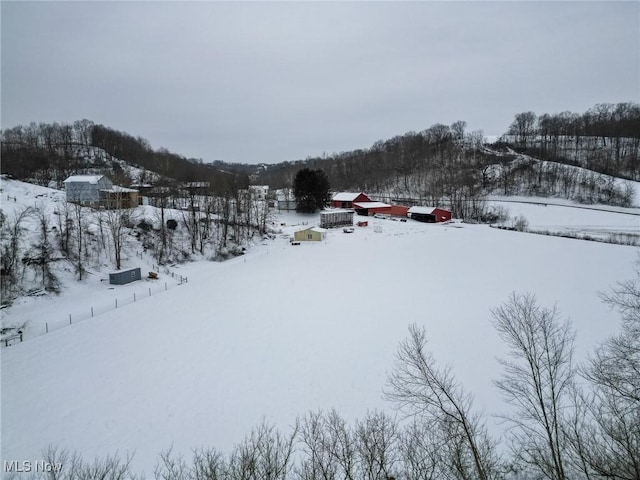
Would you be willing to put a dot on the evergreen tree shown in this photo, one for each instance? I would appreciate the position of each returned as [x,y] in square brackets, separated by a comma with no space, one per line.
[311,189]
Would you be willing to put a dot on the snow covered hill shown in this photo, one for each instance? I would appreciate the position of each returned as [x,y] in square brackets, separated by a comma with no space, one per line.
[287,329]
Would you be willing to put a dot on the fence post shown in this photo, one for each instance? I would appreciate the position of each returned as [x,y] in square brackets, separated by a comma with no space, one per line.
[116,303]
[149,291]
[91,312]
[165,286]
[69,319]
[46,326]
[134,297]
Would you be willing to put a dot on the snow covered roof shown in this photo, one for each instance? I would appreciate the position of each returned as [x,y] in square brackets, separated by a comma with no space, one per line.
[119,189]
[346,196]
[423,210]
[92,179]
[371,205]
[314,229]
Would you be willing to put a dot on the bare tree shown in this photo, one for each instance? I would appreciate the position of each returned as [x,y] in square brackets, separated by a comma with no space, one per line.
[420,387]
[80,228]
[171,466]
[44,250]
[421,450]
[376,443]
[70,466]
[523,128]
[11,238]
[317,460]
[117,217]
[208,464]
[537,379]
[191,217]
[264,455]
[341,445]
[608,443]
[65,225]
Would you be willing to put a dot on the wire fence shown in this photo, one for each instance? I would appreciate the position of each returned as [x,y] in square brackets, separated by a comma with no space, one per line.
[101,307]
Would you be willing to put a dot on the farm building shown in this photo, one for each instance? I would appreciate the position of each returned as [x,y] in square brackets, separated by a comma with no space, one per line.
[347,199]
[399,211]
[313,234]
[429,214]
[285,199]
[95,190]
[336,218]
[125,276]
[371,208]
[119,197]
[287,204]
[85,189]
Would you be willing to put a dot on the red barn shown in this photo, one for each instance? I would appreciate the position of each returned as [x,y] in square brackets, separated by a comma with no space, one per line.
[346,199]
[371,208]
[429,214]
[398,211]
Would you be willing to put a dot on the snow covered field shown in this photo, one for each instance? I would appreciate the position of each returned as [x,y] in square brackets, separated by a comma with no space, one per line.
[287,329]
[558,216]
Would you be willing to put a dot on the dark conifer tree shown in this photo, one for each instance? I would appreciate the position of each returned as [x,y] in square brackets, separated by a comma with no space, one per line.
[311,189]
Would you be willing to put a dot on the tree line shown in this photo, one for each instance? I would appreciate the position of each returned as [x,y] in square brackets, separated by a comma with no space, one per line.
[566,420]
[447,166]
[49,152]
[605,138]
[440,166]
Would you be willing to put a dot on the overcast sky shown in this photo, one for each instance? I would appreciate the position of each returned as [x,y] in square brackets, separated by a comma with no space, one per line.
[268,82]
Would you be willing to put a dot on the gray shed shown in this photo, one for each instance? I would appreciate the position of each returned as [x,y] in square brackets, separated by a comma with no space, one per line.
[125,276]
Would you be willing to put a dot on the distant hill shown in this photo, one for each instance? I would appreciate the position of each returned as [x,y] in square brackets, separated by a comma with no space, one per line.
[46,154]
[443,165]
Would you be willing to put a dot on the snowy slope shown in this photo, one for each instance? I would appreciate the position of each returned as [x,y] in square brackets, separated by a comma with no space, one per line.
[565,217]
[287,329]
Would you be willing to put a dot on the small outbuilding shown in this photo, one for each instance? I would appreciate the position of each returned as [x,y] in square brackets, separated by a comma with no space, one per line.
[347,199]
[429,214]
[287,204]
[313,234]
[125,276]
[336,218]
[118,197]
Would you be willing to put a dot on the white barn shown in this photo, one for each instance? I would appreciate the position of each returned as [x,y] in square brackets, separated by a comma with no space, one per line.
[85,189]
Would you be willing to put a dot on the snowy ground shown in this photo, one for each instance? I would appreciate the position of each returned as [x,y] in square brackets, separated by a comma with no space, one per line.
[565,217]
[287,329]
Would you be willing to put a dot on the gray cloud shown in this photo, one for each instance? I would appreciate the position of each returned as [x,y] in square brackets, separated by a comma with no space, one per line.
[255,82]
